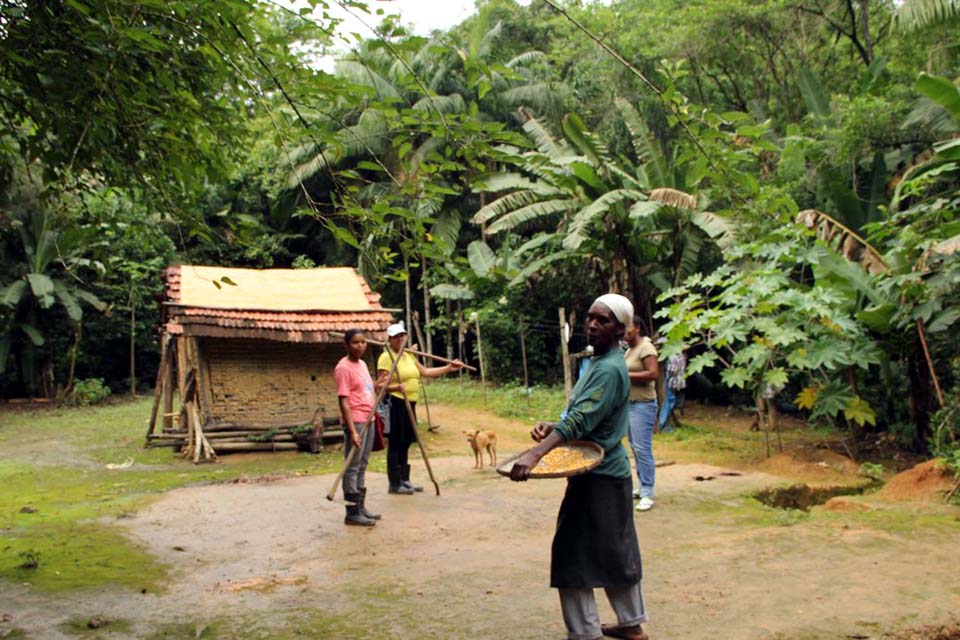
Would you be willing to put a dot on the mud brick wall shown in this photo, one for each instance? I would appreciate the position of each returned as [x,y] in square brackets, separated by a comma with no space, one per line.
[273,383]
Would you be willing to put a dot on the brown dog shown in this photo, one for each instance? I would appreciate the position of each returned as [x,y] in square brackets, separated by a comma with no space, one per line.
[480,440]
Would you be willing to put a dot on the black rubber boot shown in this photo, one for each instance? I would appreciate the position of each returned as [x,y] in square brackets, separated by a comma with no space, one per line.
[363,506]
[405,481]
[354,517]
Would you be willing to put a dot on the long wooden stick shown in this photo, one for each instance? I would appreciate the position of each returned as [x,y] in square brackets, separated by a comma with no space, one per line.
[413,351]
[423,387]
[363,432]
[413,423]
[416,436]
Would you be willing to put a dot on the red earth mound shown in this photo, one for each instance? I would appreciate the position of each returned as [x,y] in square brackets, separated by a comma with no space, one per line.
[925,482]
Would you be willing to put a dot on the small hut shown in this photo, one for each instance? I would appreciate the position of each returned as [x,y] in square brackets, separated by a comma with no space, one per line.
[250,354]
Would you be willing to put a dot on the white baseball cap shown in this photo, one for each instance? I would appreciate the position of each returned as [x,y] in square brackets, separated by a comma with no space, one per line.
[395,329]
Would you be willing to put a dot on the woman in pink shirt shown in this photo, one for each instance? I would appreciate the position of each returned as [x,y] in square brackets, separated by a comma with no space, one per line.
[355,395]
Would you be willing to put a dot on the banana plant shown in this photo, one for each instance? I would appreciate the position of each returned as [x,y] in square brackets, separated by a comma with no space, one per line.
[579,202]
[44,282]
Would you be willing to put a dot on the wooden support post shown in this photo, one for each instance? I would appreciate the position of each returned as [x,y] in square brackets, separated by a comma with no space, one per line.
[158,390]
[423,381]
[166,393]
[205,385]
[483,375]
[565,352]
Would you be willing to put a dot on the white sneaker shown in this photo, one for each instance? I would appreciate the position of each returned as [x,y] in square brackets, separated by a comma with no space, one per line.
[645,504]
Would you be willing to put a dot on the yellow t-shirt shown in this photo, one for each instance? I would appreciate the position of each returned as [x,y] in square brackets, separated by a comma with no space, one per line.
[646,390]
[407,372]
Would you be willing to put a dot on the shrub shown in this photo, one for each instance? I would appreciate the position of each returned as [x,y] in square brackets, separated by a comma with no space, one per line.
[89,391]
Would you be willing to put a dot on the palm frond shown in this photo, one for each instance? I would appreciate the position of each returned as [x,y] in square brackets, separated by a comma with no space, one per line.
[541,136]
[444,104]
[531,212]
[585,142]
[447,229]
[674,198]
[525,58]
[505,204]
[843,240]
[693,241]
[576,232]
[649,155]
[539,96]
[12,294]
[364,74]
[716,227]
[914,15]
[495,182]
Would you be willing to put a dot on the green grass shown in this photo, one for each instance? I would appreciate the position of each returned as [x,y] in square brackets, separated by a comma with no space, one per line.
[506,401]
[59,503]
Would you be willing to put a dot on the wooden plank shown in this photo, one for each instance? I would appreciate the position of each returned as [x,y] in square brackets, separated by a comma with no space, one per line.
[206,389]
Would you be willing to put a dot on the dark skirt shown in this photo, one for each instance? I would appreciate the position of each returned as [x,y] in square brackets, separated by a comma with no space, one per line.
[401,431]
[596,542]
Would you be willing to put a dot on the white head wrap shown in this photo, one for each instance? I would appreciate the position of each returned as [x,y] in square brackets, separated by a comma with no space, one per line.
[395,329]
[621,307]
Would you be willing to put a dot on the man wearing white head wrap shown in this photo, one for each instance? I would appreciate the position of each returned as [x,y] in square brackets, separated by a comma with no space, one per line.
[621,307]
[595,545]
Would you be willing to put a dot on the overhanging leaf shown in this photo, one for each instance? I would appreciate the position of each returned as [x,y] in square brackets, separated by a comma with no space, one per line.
[42,287]
[481,257]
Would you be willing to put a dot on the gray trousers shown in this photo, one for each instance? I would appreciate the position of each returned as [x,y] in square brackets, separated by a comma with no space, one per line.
[580,610]
[353,478]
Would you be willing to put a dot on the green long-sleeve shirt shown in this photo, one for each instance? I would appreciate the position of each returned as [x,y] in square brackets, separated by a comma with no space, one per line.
[597,411]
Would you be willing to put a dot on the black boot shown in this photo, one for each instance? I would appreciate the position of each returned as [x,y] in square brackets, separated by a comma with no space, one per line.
[363,506]
[405,480]
[354,517]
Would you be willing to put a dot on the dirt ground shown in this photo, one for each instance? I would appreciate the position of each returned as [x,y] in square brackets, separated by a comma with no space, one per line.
[272,559]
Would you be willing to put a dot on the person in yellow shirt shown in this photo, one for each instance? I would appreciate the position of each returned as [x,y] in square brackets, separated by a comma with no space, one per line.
[643,369]
[407,379]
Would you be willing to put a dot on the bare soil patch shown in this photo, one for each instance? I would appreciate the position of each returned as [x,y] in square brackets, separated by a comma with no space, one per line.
[272,559]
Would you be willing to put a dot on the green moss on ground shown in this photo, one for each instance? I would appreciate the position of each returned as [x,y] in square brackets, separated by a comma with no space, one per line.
[57,498]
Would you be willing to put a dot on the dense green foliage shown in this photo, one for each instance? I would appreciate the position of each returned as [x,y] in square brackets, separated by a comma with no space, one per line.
[775,185]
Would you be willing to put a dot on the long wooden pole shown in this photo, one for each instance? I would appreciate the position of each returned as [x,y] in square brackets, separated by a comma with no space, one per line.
[423,387]
[565,351]
[413,422]
[423,354]
[161,379]
[363,431]
[416,436]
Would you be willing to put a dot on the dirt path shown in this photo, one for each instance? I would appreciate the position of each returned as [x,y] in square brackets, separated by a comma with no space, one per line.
[273,560]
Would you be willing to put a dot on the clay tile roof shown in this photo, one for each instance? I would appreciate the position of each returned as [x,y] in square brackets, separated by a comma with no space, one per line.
[288,305]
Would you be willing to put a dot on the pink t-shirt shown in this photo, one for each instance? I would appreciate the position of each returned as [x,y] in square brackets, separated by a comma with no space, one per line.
[354,382]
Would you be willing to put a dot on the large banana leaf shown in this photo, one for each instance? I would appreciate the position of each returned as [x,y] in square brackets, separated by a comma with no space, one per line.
[919,14]
[12,294]
[649,155]
[448,291]
[543,139]
[576,233]
[69,302]
[942,91]
[532,212]
[42,287]
[813,95]
[481,257]
[504,205]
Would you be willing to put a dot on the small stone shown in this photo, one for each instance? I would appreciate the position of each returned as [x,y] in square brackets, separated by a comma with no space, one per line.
[28,509]
[97,621]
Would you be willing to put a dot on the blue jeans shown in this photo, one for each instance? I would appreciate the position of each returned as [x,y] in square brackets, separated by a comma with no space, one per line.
[643,416]
[669,402]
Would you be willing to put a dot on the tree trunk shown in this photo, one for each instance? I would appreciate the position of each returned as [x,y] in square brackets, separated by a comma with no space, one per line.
[133,344]
[919,397]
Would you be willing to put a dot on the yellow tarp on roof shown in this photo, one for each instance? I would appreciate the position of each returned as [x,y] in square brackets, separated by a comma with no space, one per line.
[327,289]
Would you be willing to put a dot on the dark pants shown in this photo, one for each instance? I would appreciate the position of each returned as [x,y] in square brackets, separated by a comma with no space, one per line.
[399,439]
